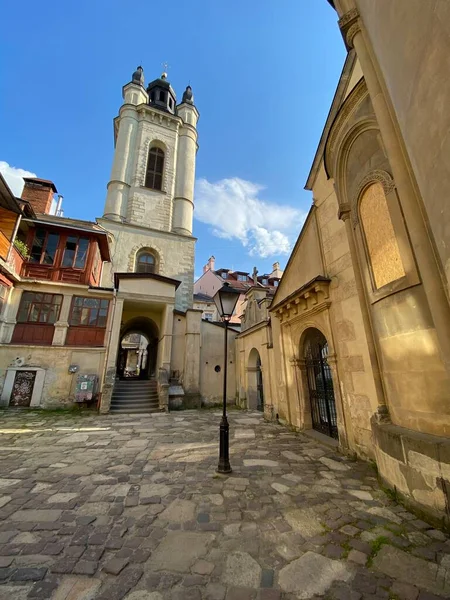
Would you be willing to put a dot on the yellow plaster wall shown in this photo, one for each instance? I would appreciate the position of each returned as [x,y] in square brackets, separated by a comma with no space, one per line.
[131,312]
[178,343]
[148,287]
[211,354]
[59,384]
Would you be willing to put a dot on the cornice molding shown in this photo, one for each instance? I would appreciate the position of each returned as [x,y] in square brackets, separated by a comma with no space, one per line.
[305,301]
[349,26]
[353,100]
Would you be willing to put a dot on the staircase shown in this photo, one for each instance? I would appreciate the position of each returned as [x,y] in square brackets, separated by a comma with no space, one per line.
[135,396]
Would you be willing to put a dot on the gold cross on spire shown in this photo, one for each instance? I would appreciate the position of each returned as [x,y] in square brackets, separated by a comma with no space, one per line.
[165,67]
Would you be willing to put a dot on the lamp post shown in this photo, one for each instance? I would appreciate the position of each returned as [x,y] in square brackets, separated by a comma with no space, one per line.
[225,300]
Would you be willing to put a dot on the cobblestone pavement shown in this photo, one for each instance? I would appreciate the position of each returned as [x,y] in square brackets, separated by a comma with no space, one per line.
[130,507]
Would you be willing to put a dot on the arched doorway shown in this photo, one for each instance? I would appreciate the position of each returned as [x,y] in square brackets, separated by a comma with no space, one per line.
[320,383]
[255,391]
[138,349]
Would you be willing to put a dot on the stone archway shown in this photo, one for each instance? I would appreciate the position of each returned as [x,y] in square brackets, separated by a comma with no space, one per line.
[255,389]
[319,382]
[138,349]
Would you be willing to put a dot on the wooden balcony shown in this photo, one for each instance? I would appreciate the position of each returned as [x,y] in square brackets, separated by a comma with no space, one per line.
[16,261]
[32,270]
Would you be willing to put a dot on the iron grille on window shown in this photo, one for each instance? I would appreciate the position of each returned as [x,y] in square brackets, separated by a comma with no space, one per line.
[89,312]
[155,167]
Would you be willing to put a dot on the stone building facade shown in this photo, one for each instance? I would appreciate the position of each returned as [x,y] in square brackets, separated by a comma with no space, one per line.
[149,216]
[139,270]
[360,324]
[212,280]
[54,315]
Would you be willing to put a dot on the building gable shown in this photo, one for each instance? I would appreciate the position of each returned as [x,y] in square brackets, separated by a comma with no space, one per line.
[305,262]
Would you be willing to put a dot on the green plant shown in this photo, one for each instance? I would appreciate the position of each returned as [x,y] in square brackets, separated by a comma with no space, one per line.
[347,549]
[22,248]
[391,494]
[376,546]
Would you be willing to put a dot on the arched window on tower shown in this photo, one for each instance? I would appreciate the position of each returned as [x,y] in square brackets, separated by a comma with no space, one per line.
[155,168]
[145,262]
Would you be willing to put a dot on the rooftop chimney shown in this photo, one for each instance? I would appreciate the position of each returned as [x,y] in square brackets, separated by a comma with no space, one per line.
[39,193]
[58,210]
[276,266]
[210,264]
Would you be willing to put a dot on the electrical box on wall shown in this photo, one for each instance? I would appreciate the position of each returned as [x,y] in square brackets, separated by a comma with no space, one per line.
[86,387]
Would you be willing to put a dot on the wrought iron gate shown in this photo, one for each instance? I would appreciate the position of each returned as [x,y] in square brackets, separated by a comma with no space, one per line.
[259,386]
[320,385]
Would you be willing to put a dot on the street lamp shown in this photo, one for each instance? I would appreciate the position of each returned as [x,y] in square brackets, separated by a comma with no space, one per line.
[225,300]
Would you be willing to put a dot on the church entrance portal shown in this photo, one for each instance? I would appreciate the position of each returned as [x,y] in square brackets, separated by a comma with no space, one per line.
[138,349]
[320,383]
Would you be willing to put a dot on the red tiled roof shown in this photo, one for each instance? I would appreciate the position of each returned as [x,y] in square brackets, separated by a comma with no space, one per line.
[245,285]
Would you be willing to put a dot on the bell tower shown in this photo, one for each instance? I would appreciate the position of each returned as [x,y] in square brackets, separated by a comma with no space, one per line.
[150,194]
[149,121]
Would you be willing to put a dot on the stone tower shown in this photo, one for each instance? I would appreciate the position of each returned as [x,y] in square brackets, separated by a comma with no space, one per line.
[150,199]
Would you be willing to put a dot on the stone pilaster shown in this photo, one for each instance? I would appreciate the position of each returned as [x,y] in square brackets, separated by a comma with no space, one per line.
[8,321]
[112,341]
[62,324]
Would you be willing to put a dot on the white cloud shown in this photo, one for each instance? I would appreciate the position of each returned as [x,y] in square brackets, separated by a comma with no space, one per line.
[234,210]
[13,176]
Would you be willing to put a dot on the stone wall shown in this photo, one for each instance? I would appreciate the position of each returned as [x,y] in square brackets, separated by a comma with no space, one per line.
[259,339]
[417,466]
[175,255]
[411,46]
[353,362]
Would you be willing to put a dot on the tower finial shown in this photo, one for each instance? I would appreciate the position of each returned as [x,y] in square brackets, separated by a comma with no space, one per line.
[165,67]
[188,97]
[138,76]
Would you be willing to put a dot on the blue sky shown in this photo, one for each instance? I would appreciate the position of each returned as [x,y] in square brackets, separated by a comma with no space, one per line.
[263,75]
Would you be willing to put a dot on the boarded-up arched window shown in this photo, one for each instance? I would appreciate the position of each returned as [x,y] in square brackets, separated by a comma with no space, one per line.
[155,168]
[381,242]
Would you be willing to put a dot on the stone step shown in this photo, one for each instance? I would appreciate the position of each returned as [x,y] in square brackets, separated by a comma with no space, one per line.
[137,401]
[134,400]
[141,407]
[136,390]
[134,394]
[135,410]
[132,386]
